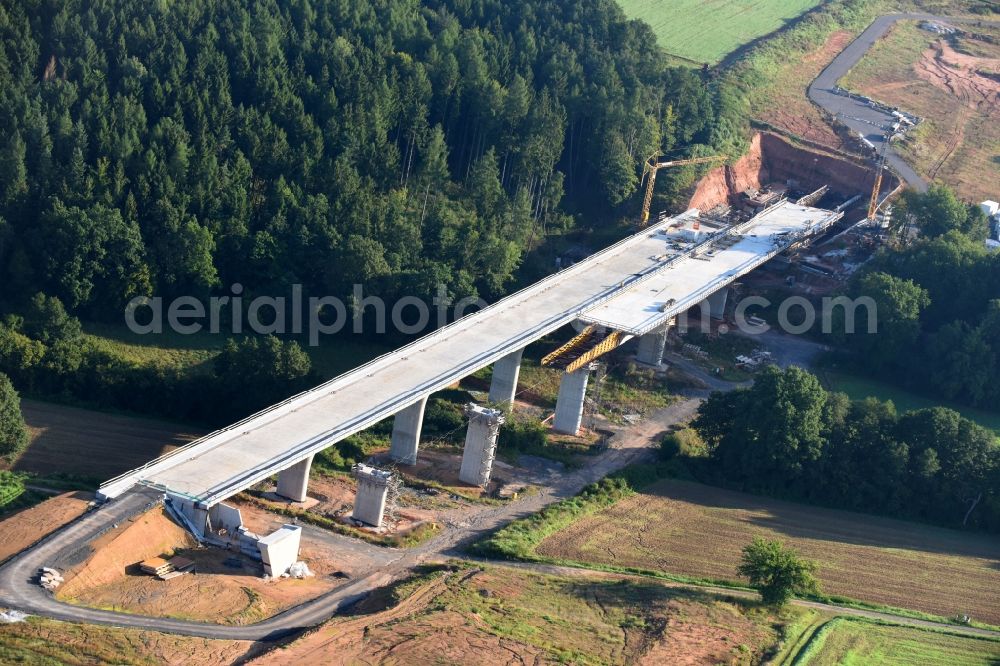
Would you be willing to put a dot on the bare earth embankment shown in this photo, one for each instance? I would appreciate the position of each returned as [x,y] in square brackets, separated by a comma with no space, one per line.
[696,530]
[24,528]
[485,616]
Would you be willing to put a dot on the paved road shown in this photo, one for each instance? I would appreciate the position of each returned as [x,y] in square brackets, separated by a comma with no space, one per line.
[68,546]
[857,114]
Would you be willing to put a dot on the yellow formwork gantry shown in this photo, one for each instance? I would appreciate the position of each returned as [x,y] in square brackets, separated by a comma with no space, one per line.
[582,349]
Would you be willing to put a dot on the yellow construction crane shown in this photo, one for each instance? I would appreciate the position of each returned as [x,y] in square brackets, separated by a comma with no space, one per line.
[883,153]
[879,169]
[651,166]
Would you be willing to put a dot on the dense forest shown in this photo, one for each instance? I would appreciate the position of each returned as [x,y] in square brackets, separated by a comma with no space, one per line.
[176,148]
[938,301]
[788,437]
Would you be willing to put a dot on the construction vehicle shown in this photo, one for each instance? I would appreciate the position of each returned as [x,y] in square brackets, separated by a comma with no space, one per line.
[651,166]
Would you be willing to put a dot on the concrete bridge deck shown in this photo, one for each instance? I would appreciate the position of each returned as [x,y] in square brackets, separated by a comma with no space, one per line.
[638,284]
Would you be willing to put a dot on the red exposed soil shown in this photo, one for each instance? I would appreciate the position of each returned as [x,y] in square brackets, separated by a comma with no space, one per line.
[24,528]
[149,535]
[226,588]
[961,76]
[773,159]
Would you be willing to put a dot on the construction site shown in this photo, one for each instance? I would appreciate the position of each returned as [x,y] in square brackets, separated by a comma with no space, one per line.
[237,527]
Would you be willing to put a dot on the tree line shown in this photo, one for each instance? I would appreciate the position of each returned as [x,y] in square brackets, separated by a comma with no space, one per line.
[938,304]
[45,353]
[786,436]
[179,147]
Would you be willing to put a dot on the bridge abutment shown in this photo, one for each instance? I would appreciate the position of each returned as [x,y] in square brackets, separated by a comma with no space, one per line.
[503,386]
[294,481]
[480,444]
[406,428]
[193,514]
[569,404]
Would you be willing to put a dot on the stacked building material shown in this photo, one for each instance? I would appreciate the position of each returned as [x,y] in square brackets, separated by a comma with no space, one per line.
[49,578]
[167,569]
[156,566]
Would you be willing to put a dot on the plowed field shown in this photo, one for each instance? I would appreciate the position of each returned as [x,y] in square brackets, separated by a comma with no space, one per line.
[695,530]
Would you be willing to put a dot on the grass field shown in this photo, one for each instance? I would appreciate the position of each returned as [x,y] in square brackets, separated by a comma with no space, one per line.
[950,86]
[195,352]
[494,615]
[853,641]
[697,531]
[859,388]
[42,642]
[706,31]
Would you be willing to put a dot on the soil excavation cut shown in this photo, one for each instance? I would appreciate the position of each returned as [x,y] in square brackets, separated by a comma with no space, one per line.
[773,159]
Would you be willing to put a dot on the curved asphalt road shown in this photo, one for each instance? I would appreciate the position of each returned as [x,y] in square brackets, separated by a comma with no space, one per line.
[69,545]
[19,590]
[856,114]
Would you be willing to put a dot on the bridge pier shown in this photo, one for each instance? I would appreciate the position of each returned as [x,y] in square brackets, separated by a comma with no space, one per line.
[651,346]
[717,303]
[480,444]
[406,428]
[294,481]
[369,500]
[503,386]
[569,404]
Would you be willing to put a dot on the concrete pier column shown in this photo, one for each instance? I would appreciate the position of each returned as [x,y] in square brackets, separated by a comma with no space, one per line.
[373,488]
[406,433]
[503,386]
[293,482]
[717,303]
[480,444]
[651,346]
[569,404]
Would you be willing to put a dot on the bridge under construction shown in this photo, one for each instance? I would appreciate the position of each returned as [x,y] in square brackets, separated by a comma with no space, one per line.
[634,288]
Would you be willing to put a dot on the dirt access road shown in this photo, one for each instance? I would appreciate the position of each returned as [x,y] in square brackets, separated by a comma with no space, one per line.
[856,114]
[69,545]
[629,446]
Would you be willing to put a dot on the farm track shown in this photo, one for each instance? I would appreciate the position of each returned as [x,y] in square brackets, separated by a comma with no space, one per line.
[18,591]
[803,640]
